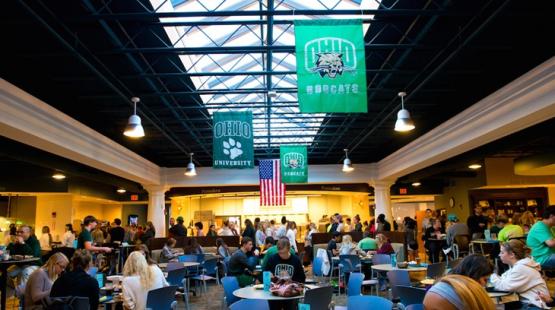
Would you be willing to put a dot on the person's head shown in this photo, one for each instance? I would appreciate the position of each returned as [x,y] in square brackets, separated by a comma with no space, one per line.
[311,226]
[212,227]
[501,220]
[476,267]
[515,220]
[381,239]
[256,220]
[248,223]
[283,220]
[381,218]
[199,226]
[117,222]
[284,248]
[136,265]
[90,222]
[226,223]
[69,227]
[429,213]
[269,241]
[55,265]
[265,224]
[171,242]
[25,231]
[365,223]
[436,224]
[45,229]
[180,220]
[356,219]
[150,226]
[454,292]
[337,236]
[478,210]
[549,215]
[246,244]
[366,234]
[527,219]
[291,225]
[513,251]
[81,259]
[348,221]
[172,221]
[220,242]
[272,222]
[347,239]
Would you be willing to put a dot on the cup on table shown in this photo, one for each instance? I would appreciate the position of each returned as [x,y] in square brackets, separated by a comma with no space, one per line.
[266,279]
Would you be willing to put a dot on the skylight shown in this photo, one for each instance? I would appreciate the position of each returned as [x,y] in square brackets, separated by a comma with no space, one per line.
[281,123]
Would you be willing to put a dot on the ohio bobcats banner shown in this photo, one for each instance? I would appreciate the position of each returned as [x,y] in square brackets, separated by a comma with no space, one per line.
[331,69]
[294,165]
[233,140]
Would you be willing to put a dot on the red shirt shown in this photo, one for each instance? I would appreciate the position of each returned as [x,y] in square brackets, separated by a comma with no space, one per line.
[386,248]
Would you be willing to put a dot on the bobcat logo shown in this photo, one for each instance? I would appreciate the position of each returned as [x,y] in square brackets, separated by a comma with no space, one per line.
[232,148]
[330,64]
[293,163]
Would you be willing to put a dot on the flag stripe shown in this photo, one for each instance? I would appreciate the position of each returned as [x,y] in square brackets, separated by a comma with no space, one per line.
[272,191]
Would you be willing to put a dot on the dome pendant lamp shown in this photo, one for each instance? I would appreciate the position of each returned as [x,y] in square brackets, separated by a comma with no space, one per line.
[347,165]
[134,129]
[404,123]
[191,171]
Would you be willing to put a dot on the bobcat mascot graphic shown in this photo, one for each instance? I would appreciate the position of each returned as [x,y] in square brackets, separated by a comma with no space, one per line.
[330,64]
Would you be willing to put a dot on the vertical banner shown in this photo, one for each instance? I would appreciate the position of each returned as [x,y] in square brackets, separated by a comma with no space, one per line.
[331,68]
[233,140]
[294,164]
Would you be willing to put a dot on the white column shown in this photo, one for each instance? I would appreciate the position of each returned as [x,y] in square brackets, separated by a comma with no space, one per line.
[382,199]
[156,203]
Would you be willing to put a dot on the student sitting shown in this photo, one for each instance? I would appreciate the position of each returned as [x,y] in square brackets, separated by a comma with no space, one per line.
[239,265]
[476,267]
[523,276]
[456,292]
[138,279]
[168,252]
[77,282]
[367,243]
[332,244]
[347,246]
[271,250]
[40,282]
[195,248]
[222,248]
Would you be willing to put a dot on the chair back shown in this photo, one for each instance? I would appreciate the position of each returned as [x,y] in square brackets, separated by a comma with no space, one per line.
[378,259]
[410,295]
[349,263]
[398,277]
[230,285]
[319,298]
[355,283]
[317,267]
[415,307]
[463,242]
[210,266]
[250,304]
[161,298]
[189,258]
[176,276]
[368,302]
[436,270]
[200,257]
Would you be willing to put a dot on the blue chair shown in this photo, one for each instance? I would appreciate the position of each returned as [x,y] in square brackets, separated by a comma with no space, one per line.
[355,284]
[378,259]
[250,304]
[209,271]
[191,258]
[396,278]
[436,270]
[176,277]
[162,298]
[368,302]
[415,307]
[348,264]
[317,267]
[410,295]
[230,284]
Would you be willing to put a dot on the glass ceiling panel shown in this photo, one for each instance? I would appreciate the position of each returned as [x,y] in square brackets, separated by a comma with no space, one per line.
[287,126]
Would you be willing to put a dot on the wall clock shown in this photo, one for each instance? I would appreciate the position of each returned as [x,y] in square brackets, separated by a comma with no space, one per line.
[452,202]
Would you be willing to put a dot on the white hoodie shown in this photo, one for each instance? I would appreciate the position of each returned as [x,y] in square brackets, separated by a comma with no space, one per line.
[523,278]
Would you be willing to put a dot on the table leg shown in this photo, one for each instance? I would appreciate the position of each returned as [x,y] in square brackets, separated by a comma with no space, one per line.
[4,281]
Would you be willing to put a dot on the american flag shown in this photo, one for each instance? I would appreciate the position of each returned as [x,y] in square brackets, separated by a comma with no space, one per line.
[272,191]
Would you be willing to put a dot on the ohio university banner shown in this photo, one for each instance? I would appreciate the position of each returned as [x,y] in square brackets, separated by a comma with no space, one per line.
[294,164]
[233,140]
[331,69]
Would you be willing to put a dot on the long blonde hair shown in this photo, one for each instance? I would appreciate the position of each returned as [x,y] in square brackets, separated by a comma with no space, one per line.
[471,293]
[136,265]
[55,259]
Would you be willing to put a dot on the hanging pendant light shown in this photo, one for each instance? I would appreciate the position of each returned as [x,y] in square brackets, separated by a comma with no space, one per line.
[134,129]
[191,171]
[347,165]
[404,123]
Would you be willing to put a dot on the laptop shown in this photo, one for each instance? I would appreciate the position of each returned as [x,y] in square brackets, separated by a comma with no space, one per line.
[100,279]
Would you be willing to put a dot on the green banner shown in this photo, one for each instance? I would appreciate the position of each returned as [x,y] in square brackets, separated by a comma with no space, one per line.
[233,140]
[294,164]
[331,68]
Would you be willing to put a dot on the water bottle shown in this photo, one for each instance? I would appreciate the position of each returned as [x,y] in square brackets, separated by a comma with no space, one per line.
[266,279]
[393,260]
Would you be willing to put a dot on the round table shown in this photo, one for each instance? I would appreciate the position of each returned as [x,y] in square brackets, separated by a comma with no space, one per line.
[249,292]
[185,264]
[388,267]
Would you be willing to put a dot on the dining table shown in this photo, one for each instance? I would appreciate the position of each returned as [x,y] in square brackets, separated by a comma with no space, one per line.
[253,292]
[4,265]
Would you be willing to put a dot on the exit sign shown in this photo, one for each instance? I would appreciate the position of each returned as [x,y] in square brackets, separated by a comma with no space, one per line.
[402,191]
[134,197]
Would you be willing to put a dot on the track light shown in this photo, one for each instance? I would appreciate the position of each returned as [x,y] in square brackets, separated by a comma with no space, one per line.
[347,165]
[134,129]
[191,171]
[404,122]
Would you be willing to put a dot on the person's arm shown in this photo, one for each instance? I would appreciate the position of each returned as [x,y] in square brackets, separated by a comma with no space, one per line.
[128,300]
[36,283]
[510,281]
[89,247]
[243,262]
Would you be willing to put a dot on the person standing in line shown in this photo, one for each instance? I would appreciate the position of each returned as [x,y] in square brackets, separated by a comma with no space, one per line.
[282,230]
[477,223]
[69,236]
[212,231]
[117,233]
[249,230]
[45,240]
[199,227]
[357,224]
[178,230]
[291,234]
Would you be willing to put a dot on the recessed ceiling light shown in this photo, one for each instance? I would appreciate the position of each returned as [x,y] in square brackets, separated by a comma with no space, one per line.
[416,184]
[58,176]
[475,166]
[121,190]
